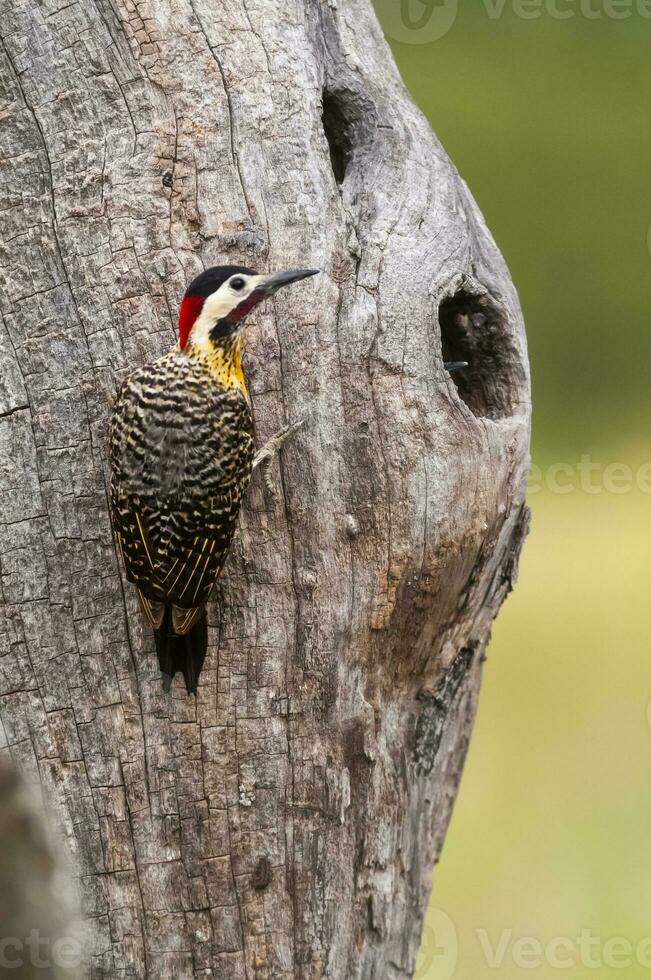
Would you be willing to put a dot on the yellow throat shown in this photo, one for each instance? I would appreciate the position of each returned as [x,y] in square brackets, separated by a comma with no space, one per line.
[222,359]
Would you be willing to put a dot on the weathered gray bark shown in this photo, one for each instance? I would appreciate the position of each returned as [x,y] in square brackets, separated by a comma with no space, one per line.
[286,823]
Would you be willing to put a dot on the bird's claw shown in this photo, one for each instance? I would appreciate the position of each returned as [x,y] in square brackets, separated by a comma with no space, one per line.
[271,448]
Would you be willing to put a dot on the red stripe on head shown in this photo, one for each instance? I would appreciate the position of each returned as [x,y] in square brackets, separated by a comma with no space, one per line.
[240,311]
[190,310]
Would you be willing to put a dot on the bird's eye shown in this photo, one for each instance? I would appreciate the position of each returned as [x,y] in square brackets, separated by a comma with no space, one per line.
[237,284]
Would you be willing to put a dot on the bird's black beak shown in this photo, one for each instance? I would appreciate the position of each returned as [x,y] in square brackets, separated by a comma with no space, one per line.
[278,279]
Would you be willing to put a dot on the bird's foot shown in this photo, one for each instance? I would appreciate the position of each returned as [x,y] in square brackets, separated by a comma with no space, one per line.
[271,448]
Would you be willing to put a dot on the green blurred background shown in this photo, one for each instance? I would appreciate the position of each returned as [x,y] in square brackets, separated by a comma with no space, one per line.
[548,121]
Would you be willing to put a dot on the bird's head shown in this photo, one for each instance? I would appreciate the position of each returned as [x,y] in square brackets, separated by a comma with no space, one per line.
[218,300]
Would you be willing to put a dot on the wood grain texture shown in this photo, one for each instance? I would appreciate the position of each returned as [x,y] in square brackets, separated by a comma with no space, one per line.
[286,823]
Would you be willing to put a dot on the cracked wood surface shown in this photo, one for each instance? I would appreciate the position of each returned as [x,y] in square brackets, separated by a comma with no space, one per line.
[285,824]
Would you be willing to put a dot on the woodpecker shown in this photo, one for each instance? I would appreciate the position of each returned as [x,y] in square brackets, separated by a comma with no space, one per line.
[181,453]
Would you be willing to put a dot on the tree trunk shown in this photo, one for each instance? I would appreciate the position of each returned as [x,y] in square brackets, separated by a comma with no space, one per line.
[284,824]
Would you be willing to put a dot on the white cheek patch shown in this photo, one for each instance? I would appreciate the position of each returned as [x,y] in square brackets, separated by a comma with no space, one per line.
[200,333]
[218,306]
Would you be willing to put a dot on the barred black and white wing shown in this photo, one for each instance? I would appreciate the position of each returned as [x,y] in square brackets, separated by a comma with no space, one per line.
[181,452]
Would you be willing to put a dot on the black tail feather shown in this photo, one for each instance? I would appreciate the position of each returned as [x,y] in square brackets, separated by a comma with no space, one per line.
[183,654]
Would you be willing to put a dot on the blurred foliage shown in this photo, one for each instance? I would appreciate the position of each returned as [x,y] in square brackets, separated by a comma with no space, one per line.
[546,119]
[550,834]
